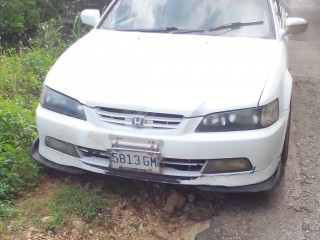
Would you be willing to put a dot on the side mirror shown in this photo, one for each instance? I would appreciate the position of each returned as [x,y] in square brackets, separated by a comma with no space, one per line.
[90,17]
[295,26]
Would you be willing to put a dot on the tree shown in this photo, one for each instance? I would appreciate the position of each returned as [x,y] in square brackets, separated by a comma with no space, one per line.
[18,19]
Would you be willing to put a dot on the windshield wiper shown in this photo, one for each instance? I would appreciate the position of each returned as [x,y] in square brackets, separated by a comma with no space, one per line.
[163,29]
[231,26]
[235,25]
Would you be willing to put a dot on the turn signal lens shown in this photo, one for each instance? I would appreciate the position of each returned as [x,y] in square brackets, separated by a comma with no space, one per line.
[227,166]
[61,146]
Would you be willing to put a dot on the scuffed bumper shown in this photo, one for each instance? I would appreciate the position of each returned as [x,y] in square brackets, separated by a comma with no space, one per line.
[262,186]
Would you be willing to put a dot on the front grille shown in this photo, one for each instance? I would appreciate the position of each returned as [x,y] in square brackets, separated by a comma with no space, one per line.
[193,165]
[88,152]
[151,120]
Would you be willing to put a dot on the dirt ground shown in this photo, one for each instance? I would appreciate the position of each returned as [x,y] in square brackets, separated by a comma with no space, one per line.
[134,210]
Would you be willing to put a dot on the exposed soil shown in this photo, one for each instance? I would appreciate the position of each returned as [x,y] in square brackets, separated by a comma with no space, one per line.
[135,210]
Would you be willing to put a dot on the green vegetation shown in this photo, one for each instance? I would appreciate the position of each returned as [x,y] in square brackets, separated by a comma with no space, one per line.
[21,76]
[20,20]
[59,206]
[83,201]
[33,33]
[7,211]
[78,200]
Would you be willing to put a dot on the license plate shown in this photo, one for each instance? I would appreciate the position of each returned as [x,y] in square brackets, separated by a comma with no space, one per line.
[140,161]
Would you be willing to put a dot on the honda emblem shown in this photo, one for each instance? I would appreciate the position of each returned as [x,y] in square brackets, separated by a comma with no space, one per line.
[138,121]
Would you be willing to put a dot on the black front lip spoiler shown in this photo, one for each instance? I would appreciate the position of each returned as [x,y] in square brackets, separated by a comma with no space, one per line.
[35,155]
[259,187]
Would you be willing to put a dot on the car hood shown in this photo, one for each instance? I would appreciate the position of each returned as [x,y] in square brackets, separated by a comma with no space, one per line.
[191,75]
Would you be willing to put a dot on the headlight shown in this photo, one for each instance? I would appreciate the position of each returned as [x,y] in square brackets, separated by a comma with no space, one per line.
[60,103]
[247,119]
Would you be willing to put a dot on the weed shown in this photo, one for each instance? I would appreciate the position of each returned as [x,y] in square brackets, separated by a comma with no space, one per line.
[49,36]
[22,74]
[83,201]
[78,29]
[37,210]
[7,211]
[17,129]
[55,220]
[71,200]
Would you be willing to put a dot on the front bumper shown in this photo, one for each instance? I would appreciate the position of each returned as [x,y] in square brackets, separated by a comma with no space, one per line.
[262,186]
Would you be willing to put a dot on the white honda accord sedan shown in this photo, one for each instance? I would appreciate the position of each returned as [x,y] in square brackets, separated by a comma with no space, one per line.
[190,92]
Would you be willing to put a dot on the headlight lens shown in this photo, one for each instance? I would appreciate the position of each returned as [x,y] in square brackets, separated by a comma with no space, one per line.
[247,119]
[60,103]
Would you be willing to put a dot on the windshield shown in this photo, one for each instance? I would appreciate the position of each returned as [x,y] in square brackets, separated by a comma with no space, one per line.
[244,18]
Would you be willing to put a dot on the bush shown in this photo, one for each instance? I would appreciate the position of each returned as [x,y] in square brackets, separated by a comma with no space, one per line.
[21,75]
[18,19]
[21,19]
[17,123]
[9,180]
[17,129]
[66,14]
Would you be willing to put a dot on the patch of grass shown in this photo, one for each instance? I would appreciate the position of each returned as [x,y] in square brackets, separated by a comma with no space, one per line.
[7,211]
[54,210]
[17,227]
[83,201]
[57,219]
[36,210]
[22,72]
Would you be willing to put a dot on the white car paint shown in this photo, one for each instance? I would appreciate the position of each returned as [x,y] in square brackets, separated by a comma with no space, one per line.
[181,74]
[227,68]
